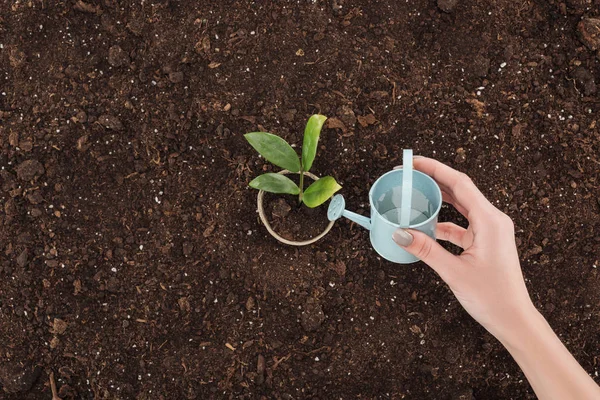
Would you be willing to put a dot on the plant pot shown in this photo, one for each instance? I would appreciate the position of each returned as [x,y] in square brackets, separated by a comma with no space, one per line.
[265,221]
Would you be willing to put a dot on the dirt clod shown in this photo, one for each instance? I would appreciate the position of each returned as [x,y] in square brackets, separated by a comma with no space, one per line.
[176,76]
[335,123]
[366,120]
[16,58]
[209,230]
[184,304]
[281,208]
[585,80]
[35,197]
[29,170]
[59,326]
[589,32]
[340,268]
[110,122]
[81,116]
[117,57]
[481,66]
[82,143]
[23,258]
[250,303]
[26,145]
[312,315]
[346,116]
[379,95]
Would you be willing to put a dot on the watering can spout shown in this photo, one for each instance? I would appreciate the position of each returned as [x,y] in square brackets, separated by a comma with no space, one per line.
[337,209]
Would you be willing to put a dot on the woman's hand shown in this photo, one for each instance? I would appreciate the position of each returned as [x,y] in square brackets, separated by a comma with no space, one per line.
[486,278]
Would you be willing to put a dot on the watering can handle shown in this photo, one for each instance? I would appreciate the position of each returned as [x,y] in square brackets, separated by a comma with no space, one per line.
[407,175]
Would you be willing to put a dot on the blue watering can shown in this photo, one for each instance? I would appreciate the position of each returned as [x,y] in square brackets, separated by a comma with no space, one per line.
[402,198]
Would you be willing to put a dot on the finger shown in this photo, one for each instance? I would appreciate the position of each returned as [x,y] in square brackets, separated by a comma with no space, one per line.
[457,184]
[428,250]
[451,232]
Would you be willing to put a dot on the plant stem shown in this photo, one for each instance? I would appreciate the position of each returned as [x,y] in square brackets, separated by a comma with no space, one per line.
[301,186]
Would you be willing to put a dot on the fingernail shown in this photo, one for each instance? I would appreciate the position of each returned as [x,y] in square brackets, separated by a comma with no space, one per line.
[402,237]
[417,157]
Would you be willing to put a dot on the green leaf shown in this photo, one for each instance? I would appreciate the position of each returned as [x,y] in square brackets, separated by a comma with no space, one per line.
[275,183]
[274,149]
[311,139]
[318,193]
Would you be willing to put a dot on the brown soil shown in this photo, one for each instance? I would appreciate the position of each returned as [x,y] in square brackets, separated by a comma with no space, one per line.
[125,260]
[294,221]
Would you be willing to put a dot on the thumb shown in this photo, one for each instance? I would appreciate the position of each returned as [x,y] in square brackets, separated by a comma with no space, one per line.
[427,249]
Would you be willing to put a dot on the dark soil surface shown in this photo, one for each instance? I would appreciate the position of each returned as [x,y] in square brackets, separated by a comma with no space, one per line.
[126,264]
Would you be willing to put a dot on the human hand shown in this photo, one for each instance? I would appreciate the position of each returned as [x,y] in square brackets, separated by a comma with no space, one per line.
[486,277]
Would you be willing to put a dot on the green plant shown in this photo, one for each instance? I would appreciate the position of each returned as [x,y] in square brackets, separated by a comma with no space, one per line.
[277,151]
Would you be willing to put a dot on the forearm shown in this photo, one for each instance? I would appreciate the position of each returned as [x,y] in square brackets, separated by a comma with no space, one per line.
[549,367]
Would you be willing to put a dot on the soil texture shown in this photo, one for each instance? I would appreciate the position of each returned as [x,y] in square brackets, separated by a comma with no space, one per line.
[132,259]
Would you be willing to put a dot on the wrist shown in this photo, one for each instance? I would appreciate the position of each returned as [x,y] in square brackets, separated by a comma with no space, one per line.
[527,326]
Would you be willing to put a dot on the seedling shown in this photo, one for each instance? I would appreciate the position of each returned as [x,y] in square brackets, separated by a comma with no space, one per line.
[277,151]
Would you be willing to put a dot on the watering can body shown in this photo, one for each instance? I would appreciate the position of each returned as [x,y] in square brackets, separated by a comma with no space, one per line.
[426,200]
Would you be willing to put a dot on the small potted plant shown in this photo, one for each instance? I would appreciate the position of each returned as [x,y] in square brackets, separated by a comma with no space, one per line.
[277,151]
